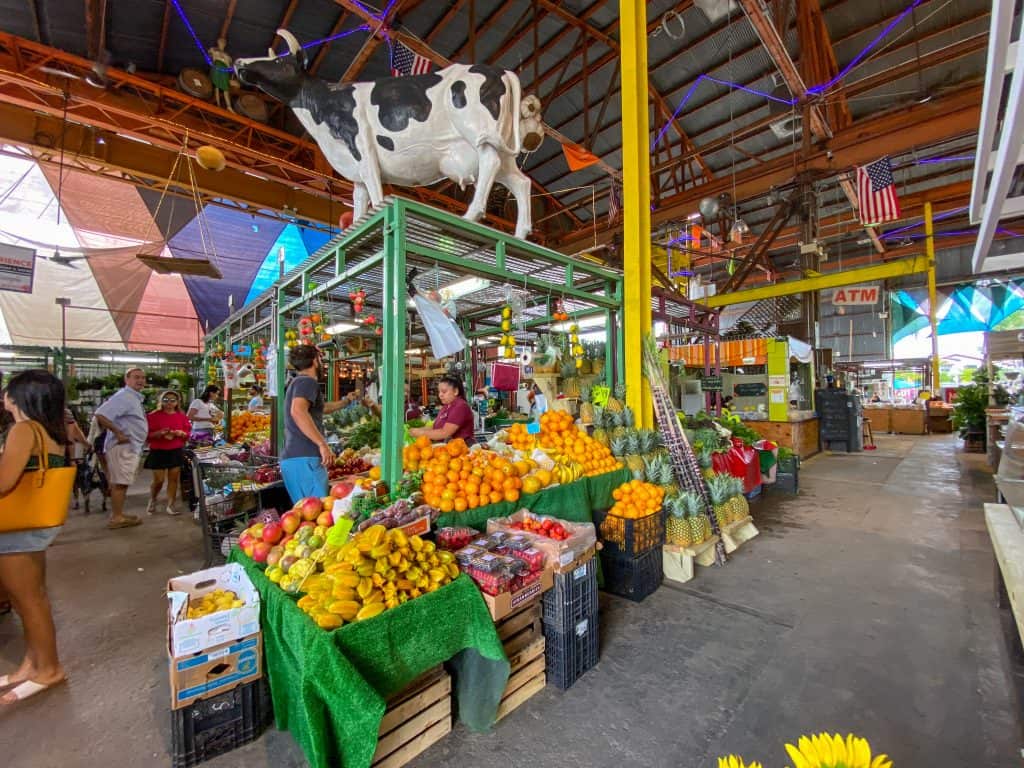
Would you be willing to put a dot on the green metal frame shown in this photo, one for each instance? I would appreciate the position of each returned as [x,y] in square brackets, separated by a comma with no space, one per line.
[331,269]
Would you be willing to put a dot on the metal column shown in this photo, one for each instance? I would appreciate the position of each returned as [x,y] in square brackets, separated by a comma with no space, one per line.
[929,246]
[636,195]
[392,363]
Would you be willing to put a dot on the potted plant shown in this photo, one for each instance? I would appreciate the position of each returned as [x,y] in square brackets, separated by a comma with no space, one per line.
[969,415]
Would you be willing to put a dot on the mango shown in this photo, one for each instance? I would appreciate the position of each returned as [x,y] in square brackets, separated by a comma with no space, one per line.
[329,621]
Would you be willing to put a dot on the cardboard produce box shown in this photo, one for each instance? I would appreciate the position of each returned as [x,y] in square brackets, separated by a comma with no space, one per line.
[188,636]
[504,603]
[215,670]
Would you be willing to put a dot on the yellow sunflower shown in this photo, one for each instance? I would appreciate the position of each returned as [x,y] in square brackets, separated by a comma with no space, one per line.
[733,761]
[824,751]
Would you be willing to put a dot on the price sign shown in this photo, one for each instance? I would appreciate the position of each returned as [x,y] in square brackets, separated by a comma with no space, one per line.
[711,383]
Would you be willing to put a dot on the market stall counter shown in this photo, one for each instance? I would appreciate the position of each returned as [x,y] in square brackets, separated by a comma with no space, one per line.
[574,502]
[799,432]
[329,687]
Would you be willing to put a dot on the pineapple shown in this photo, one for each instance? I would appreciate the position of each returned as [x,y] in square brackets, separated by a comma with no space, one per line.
[739,507]
[628,417]
[586,405]
[677,527]
[635,464]
[632,441]
[601,436]
[720,489]
[667,477]
[614,403]
[691,502]
[644,441]
[618,445]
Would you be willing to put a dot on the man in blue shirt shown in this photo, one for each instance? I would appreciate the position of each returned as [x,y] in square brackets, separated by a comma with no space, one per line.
[306,454]
[124,418]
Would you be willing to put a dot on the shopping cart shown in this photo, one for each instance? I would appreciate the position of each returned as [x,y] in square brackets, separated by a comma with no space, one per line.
[224,500]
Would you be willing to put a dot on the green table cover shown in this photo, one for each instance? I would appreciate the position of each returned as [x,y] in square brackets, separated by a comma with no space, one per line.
[573,502]
[329,688]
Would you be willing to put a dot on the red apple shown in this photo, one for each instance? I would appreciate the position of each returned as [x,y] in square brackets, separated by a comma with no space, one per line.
[260,550]
[272,533]
[311,508]
[290,522]
[326,519]
[308,524]
[245,542]
[256,531]
[275,555]
[341,490]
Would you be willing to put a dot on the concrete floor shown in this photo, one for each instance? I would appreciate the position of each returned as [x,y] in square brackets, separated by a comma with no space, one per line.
[866,604]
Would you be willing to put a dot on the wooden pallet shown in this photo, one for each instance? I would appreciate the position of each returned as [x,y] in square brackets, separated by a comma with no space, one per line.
[527,676]
[415,718]
[522,636]
[520,629]
[737,533]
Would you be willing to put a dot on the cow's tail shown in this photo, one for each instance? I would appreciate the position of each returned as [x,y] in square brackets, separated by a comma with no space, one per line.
[516,88]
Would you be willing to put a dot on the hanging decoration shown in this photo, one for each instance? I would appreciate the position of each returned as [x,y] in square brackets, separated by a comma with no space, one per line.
[575,348]
[559,312]
[358,298]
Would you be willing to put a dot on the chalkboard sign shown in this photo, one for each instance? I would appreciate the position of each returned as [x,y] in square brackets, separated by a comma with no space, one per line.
[711,383]
[750,389]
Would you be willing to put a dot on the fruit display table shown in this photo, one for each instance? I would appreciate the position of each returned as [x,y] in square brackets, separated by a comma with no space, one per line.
[329,688]
[574,502]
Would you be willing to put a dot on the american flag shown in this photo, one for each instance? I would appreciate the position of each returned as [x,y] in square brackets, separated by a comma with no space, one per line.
[405,61]
[876,193]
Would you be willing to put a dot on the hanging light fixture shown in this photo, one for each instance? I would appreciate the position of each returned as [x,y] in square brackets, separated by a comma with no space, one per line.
[738,230]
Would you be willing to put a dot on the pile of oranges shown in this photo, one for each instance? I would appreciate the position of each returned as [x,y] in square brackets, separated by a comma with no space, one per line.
[455,480]
[563,440]
[637,499]
[519,438]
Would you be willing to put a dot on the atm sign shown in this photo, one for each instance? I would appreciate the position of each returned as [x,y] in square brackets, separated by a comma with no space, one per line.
[856,295]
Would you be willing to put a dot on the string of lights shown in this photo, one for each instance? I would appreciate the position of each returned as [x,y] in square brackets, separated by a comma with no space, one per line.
[814,90]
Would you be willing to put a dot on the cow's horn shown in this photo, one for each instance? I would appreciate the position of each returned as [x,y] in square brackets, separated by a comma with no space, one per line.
[288,37]
[271,54]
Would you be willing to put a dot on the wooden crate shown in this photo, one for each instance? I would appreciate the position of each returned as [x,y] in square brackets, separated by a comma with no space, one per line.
[415,718]
[522,637]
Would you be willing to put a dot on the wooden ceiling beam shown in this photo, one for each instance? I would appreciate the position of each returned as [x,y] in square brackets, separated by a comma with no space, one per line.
[286,19]
[229,14]
[443,22]
[321,54]
[551,43]
[482,29]
[373,41]
[94,27]
[163,36]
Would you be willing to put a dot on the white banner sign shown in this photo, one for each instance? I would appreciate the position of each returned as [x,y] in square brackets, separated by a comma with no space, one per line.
[856,295]
[17,266]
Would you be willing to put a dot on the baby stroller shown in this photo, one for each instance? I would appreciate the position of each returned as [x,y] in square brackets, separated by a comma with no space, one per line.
[89,477]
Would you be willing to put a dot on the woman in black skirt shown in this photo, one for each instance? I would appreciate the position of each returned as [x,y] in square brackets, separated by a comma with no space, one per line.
[169,428]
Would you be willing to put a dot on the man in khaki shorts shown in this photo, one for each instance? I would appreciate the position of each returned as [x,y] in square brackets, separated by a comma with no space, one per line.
[124,418]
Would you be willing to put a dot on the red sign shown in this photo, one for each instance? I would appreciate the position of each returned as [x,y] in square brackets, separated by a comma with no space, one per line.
[856,295]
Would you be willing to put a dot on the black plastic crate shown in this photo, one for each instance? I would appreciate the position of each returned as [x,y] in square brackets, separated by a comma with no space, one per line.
[630,536]
[787,482]
[218,724]
[570,654]
[572,598]
[632,577]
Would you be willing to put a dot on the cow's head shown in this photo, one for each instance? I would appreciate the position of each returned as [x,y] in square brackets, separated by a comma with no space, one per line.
[280,77]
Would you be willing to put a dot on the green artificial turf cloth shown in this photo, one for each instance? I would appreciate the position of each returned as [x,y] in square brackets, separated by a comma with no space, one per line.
[572,501]
[329,688]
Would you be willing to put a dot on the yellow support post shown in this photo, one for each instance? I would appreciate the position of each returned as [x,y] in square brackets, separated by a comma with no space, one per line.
[929,241]
[636,196]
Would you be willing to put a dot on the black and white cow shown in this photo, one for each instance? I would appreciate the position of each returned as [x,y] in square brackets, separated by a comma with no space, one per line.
[464,123]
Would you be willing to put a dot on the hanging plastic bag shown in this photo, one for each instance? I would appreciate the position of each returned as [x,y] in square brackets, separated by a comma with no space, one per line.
[445,336]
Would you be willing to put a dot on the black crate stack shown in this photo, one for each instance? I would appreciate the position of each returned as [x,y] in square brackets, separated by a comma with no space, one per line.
[571,625]
[218,724]
[632,565]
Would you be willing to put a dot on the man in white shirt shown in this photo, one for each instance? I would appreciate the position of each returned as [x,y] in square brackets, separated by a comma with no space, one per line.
[124,418]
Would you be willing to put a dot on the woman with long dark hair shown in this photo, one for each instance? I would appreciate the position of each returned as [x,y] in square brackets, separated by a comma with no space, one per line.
[203,412]
[31,396]
[455,418]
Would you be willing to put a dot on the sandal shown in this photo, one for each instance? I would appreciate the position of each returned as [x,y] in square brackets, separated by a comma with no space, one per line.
[28,688]
[128,522]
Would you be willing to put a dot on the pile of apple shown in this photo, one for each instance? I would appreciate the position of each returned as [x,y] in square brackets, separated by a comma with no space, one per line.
[285,546]
[543,526]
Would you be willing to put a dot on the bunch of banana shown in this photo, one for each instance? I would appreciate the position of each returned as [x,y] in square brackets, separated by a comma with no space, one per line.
[376,570]
[213,602]
[568,471]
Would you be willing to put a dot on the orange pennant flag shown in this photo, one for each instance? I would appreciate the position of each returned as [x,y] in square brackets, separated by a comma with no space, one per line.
[577,157]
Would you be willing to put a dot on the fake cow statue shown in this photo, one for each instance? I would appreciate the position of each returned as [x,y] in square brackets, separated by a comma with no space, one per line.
[464,123]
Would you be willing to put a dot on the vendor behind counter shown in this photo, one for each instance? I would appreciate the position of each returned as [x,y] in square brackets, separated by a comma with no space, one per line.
[456,416]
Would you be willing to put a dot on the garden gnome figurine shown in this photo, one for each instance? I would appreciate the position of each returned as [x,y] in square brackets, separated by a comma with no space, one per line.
[220,74]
